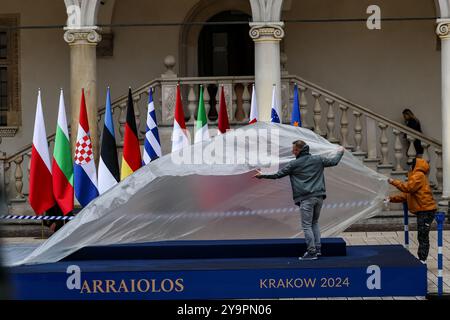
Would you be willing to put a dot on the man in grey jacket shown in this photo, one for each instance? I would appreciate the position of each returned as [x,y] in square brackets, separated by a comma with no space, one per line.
[308,188]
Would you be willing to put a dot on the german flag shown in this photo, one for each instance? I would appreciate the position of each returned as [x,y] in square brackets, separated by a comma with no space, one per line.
[131,158]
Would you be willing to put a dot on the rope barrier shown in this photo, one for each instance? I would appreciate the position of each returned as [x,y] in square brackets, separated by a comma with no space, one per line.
[13,217]
[293,209]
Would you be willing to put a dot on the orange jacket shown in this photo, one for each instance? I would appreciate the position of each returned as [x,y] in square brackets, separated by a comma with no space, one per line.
[416,191]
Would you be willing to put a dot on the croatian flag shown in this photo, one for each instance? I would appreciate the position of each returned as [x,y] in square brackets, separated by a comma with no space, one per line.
[85,174]
[152,145]
[275,115]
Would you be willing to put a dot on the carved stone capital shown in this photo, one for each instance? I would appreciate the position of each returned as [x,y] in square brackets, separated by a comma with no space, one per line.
[443,29]
[82,36]
[266,32]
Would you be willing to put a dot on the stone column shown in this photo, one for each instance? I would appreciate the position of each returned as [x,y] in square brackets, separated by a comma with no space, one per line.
[443,31]
[83,74]
[267,37]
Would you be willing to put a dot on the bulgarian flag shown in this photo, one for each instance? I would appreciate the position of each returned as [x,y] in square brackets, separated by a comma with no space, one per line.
[179,133]
[201,133]
[131,157]
[41,191]
[62,166]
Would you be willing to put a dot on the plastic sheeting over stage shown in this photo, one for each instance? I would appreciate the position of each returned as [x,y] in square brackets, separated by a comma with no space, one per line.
[181,197]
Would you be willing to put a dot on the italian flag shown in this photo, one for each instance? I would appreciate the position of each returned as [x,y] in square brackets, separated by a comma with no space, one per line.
[201,132]
[41,192]
[62,166]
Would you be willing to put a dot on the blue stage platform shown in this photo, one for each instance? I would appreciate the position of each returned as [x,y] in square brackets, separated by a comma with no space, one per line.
[222,270]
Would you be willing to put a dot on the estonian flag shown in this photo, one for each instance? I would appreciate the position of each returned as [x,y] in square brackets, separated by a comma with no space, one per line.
[108,167]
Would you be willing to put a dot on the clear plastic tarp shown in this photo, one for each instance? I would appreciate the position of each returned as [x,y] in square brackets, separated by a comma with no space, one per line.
[207,191]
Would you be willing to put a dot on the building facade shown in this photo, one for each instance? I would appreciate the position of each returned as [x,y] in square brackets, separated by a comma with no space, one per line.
[354,80]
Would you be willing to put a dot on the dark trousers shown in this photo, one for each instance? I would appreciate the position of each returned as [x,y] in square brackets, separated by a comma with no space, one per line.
[418,146]
[424,221]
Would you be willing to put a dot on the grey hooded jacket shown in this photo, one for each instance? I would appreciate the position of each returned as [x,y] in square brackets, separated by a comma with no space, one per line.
[306,174]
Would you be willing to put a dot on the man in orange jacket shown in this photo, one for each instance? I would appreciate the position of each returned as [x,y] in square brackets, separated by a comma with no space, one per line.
[416,192]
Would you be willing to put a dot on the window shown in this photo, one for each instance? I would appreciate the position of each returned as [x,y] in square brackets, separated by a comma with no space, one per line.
[3,96]
[10,110]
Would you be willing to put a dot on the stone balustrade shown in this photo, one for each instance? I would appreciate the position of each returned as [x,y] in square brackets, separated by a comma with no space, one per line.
[382,144]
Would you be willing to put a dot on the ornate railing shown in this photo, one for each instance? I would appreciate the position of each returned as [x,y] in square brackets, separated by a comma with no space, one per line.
[383,144]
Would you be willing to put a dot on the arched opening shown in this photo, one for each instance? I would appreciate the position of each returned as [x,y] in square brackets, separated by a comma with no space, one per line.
[226,50]
[190,33]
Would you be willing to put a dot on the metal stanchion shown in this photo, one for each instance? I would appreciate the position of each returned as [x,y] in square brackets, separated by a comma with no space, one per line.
[406,225]
[440,219]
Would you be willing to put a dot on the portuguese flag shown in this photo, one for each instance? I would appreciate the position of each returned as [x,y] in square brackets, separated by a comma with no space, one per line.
[131,158]
[62,167]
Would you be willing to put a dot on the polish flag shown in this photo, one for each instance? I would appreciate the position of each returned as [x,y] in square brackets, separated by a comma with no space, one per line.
[41,189]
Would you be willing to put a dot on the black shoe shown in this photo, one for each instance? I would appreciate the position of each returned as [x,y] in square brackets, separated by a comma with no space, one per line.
[309,256]
[318,253]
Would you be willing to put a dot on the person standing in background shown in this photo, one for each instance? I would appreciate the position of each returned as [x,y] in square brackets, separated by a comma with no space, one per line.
[412,122]
[416,192]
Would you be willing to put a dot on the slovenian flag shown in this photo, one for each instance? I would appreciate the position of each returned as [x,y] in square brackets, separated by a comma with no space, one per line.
[222,124]
[131,157]
[296,119]
[41,190]
[201,132]
[108,166]
[254,107]
[62,166]
[275,114]
[152,145]
[85,174]
[179,133]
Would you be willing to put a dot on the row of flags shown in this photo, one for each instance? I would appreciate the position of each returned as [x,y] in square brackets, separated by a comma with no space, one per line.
[180,137]
[54,183]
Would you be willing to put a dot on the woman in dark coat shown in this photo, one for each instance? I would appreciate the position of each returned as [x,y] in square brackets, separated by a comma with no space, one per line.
[412,122]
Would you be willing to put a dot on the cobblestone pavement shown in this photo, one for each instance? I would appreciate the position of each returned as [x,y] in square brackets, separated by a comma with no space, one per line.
[372,238]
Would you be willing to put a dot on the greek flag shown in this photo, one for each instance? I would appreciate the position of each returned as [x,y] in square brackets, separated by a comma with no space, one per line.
[152,146]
